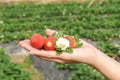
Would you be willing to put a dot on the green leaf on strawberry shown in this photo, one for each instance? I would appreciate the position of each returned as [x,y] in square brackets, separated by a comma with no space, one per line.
[69,50]
[78,44]
[77,38]
[54,34]
[58,51]
[77,41]
[58,35]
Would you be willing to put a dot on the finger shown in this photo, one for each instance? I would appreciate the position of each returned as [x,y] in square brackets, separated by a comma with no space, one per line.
[56,60]
[26,44]
[51,54]
[49,32]
[24,41]
[43,53]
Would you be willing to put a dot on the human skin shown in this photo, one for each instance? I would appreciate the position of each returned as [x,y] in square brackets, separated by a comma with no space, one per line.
[87,54]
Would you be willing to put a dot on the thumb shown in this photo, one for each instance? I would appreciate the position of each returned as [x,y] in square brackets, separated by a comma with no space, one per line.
[49,32]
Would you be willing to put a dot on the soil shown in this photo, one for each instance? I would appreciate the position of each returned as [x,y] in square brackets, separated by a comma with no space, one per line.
[35,75]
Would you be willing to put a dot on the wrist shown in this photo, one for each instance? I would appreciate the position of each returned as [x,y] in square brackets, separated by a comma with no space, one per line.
[96,58]
[107,66]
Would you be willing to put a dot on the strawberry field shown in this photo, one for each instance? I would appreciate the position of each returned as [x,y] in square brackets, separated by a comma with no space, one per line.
[98,24]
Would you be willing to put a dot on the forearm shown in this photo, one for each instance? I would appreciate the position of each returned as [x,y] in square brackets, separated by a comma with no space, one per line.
[107,66]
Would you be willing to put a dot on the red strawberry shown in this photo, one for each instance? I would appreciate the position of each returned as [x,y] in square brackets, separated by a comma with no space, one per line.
[72,41]
[50,43]
[37,41]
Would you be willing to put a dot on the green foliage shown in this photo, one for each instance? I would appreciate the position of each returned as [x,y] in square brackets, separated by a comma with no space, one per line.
[27,62]
[98,23]
[11,71]
[109,48]
[102,18]
[82,72]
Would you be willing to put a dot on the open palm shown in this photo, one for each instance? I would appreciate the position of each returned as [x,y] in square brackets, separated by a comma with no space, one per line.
[84,54]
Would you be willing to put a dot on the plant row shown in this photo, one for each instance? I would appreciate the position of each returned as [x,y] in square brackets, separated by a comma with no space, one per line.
[10,70]
[104,21]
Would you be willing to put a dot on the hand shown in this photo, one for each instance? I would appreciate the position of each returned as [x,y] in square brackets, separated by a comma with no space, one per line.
[85,54]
